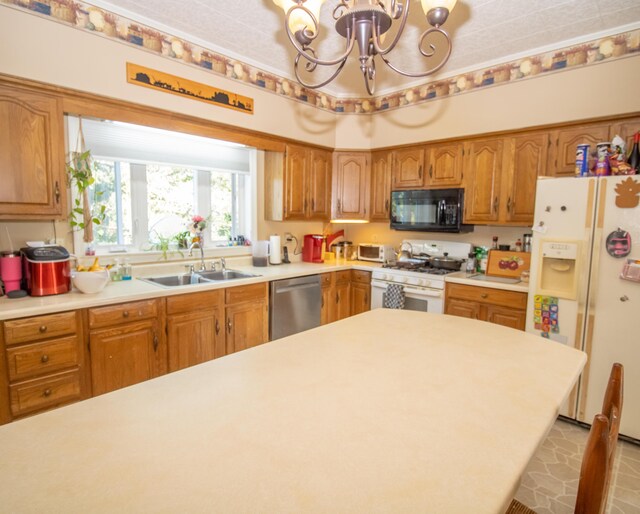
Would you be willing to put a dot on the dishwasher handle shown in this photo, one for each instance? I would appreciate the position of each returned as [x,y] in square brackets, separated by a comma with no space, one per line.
[284,289]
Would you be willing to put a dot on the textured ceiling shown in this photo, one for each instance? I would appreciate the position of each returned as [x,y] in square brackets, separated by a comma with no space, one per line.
[483,32]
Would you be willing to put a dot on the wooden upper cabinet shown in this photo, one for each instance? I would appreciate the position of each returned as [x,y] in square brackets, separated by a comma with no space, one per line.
[526,162]
[351,183]
[562,158]
[444,165]
[483,167]
[408,169]
[295,183]
[380,185]
[319,190]
[625,129]
[32,161]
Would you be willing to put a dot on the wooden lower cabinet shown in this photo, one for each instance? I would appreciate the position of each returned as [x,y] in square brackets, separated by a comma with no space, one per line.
[507,308]
[126,355]
[344,294]
[327,295]
[246,316]
[360,291]
[42,364]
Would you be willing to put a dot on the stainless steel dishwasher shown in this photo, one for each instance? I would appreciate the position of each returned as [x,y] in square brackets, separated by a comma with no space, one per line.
[295,305]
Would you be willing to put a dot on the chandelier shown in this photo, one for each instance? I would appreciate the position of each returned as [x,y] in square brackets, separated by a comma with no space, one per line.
[364,22]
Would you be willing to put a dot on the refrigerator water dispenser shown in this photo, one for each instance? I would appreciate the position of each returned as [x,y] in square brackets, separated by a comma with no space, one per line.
[558,272]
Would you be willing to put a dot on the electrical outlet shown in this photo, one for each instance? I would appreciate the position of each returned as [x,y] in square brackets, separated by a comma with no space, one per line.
[288,237]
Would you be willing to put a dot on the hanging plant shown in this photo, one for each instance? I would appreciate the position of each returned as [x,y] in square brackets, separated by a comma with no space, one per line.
[80,173]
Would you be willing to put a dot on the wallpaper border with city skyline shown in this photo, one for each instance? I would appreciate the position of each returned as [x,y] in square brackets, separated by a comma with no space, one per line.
[86,17]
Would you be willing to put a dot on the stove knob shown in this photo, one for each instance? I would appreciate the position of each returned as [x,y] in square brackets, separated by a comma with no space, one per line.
[404,280]
[414,281]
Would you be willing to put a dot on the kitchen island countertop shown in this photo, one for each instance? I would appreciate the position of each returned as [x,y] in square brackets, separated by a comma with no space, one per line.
[348,417]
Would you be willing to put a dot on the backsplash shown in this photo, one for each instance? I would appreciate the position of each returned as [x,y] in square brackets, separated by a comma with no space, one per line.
[15,234]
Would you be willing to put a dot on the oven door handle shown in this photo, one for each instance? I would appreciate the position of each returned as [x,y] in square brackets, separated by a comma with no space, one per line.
[410,290]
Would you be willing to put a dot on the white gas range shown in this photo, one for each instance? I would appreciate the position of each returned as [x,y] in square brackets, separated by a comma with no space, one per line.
[423,285]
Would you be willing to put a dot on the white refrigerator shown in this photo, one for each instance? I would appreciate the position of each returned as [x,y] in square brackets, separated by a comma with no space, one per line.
[576,294]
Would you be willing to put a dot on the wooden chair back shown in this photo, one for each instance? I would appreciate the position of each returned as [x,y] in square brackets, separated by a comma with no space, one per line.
[599,454]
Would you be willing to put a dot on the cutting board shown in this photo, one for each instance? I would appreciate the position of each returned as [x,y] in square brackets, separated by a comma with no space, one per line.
[508,264]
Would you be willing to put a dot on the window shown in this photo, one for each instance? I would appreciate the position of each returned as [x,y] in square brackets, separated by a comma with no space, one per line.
[152,182]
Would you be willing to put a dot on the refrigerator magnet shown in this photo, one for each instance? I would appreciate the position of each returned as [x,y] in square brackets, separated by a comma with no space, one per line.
[619,243]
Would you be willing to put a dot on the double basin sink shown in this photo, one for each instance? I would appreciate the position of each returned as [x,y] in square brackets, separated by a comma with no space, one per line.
[201,277]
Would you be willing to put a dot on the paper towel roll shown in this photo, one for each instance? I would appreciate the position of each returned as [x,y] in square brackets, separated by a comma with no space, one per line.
[275,250]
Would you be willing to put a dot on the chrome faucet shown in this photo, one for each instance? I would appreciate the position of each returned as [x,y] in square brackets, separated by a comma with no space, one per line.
[193,245]
[223,264]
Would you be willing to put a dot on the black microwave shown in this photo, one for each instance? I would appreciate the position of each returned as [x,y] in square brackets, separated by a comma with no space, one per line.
[428,210]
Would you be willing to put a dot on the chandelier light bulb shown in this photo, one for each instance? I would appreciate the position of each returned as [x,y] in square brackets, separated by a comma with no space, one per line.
[427,5]
[299,19]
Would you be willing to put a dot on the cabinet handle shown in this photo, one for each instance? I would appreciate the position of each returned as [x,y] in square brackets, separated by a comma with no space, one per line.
[47,392]
[484,295]
[229,325]
[56,192]
[44,359]
[125,314]
[43,329]
[337,297]
[217,326]
[339,207]
[313,204]
[386,205]
[322,302]
[156,342]
[420,172]
[495,204]
[509,205]
[431,171]
[306,204]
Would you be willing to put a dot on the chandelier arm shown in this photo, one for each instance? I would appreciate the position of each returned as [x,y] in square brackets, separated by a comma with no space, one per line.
[429,54]
[376,37]
[370,77]
[316,86]
[302,49]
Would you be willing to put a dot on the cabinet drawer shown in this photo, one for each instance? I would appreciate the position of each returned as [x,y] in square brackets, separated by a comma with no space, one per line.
[511,299]
[45,392]
[342,277]
[362,277]
[194,301]
[246,293]
[325,279]
[36,359]
[39,327]
[122,313]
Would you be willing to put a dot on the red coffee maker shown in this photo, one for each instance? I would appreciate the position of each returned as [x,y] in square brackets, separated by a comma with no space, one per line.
[312,248]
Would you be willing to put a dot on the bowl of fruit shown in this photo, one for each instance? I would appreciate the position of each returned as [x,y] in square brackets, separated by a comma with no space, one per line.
[90,279]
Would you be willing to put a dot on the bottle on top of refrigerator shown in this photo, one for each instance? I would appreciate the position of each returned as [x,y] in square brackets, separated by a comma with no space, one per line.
[519,245]
[634,155]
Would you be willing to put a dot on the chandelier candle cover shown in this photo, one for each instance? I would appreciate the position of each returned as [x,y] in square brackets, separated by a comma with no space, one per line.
[364,22]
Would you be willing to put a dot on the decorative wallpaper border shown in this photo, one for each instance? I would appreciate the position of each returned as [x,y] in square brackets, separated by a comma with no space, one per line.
[87,17]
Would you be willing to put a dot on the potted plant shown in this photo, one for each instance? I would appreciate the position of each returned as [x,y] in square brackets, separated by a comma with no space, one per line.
[182,238]
[163,244]
[83,214]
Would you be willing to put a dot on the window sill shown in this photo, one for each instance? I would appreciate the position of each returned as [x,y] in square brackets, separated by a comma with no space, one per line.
[173,256]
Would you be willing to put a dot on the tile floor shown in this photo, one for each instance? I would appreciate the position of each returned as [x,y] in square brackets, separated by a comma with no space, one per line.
[550,483]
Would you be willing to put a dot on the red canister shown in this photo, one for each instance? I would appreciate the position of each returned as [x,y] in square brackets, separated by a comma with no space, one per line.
[47,270]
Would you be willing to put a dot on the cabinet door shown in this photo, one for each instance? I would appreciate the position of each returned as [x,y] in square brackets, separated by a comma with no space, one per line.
[326,310]
[527,162]
[625,129]
[32,171]
[319,202]
[351,185]
[126,355]
[247,325]
[194,338]
[295,183]
[444,165]
[462,308]
[342,303]
[360,298]
[562,159]
[380,185]
[483,169]
[408,169]
[505,316]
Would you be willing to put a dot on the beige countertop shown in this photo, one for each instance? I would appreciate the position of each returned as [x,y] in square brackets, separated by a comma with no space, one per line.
[118,292]
[462,277]
[348,417]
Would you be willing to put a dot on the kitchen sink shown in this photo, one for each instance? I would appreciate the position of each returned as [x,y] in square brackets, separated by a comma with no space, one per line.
[203,277]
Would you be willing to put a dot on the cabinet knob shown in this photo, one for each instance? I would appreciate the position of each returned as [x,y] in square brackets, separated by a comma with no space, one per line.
[47,392]
[56,192]
[484,295]
[156,342]
[431,171]
[624,298]
[43,329]
[229,325]
[337,298]
[217,326]
[386,205]
[125,314]
[44,359]
[509,205]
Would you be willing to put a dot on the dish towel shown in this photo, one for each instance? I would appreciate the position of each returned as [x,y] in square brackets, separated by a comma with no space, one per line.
[394,297]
